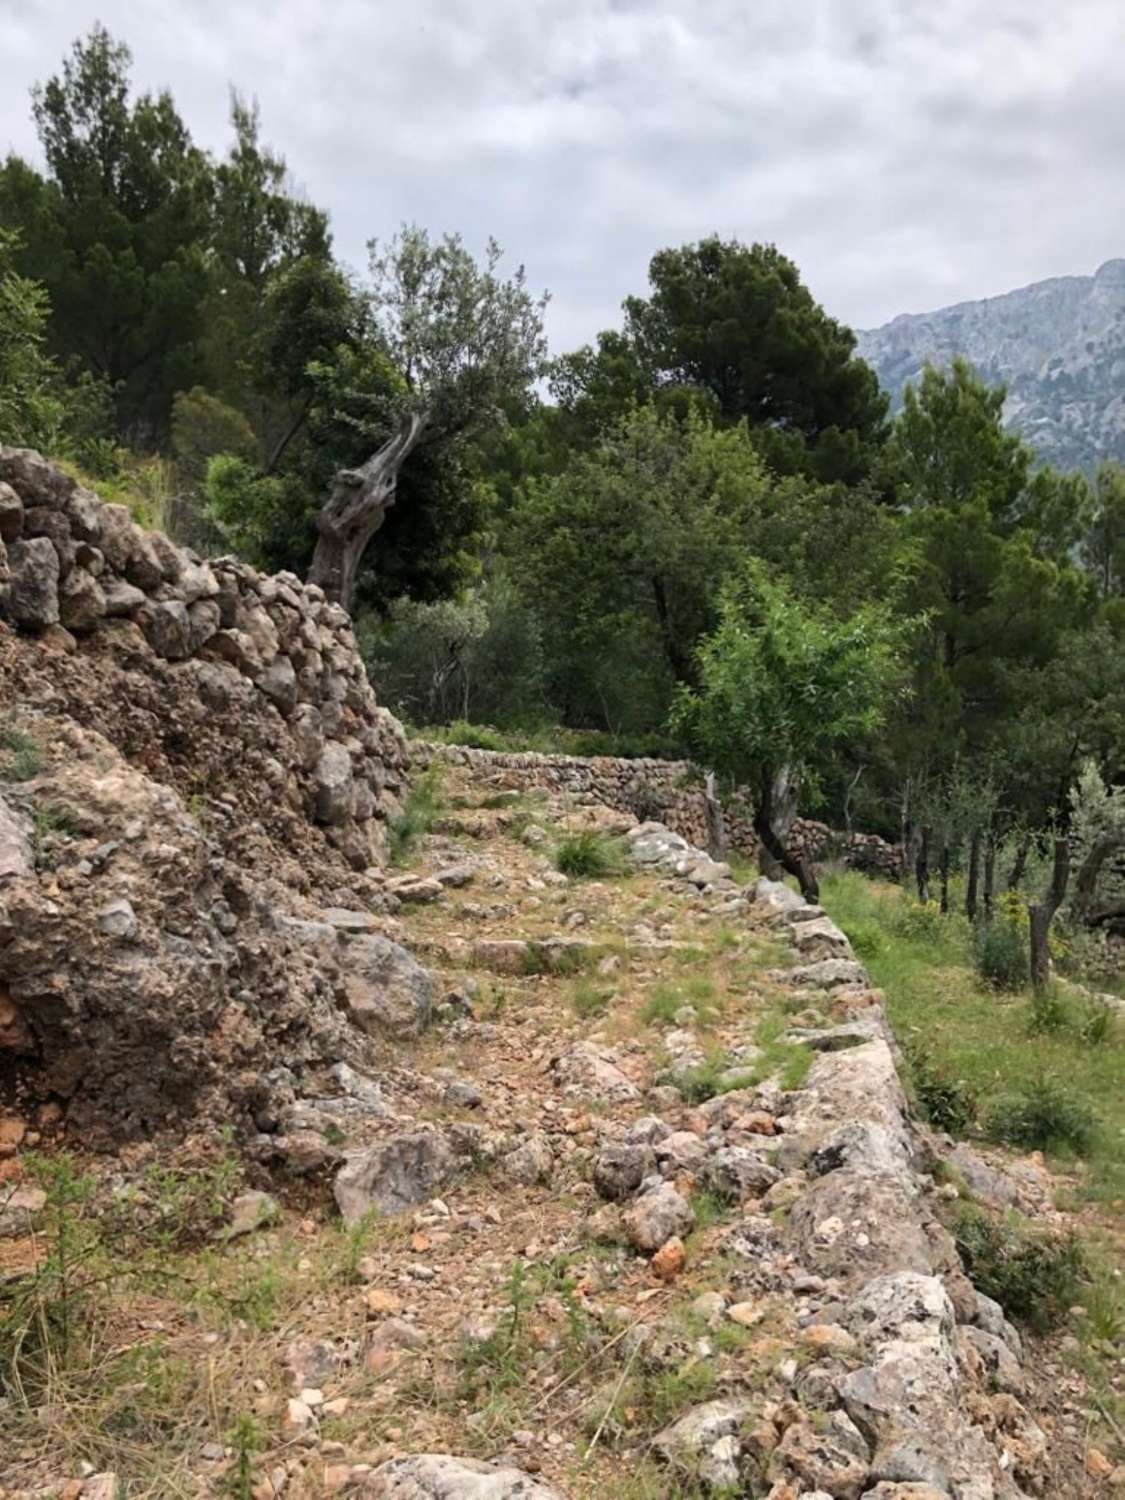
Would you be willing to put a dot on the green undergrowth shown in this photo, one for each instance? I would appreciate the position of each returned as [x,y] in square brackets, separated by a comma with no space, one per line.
[986,1061]
[553,739]
[588,855]
[424,804]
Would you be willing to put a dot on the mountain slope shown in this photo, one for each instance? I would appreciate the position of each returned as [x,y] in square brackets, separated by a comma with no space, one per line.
[1059,345]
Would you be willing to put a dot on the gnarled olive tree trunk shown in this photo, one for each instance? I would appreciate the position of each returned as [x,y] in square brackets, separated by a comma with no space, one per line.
[774,812]
[1042,914]
[356,507]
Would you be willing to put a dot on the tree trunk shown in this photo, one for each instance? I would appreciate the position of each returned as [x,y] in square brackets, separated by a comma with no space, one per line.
[1042,914]
[768,839]
[974,876]
[356,507]
[678,659]
[1019,864]
[1087,882]
[922,868]
[944,868]
[989,874]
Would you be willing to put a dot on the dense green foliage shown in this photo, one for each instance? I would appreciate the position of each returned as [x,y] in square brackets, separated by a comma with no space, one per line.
[598,552]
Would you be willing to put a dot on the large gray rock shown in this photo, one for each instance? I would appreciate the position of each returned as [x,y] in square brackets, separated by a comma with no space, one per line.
[706,1441]
[33,583]
[820,938]
[657,1216]
[333,784]
[738,1172]
[81,601]
[439,1476]
[826,1460]
[826,974]
[167,628]
[405,1170]
[620,1168]
[15,844]
[388,991]
[11,513]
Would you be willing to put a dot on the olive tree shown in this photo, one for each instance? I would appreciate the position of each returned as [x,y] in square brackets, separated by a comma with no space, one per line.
[783,685]
[461,342]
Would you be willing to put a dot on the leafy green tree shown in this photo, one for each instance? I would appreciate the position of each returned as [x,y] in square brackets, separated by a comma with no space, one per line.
[782,684]
[31,412]
[117,231]
[986,565]
[738,322]
[629,543]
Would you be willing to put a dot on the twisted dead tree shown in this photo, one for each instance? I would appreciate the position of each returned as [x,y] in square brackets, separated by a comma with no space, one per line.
[462,343]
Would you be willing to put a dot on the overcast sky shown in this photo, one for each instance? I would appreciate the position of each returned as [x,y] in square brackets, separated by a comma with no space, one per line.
[906,153]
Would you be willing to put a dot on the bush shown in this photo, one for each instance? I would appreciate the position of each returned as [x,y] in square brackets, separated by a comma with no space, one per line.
[589,999]
[473,736]
[23,759]
[1050,1013]
[589,855]
[1042,1116]
[1034,1277]
[920,921]
[946,1101]
[1000,954]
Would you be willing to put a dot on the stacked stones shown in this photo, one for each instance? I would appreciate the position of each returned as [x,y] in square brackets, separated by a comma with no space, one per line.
[669,790]
[71,566]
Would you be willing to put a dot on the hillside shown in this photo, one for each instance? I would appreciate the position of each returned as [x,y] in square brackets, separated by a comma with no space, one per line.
[1059,345]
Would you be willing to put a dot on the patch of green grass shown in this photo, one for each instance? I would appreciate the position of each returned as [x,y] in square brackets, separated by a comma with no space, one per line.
[424,804]
[23,759]
[588,999]
[666,999]
[589,855]
[977,1037]
[1000,953]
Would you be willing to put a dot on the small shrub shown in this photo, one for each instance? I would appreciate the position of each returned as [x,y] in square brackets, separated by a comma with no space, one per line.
[424,803]
[1095,1025]
[919,921]
[1034,1277]
[23,759]
[1000,954]
[474,736]
[666,999]
[1042,1116]
[589,855]
[948,1102]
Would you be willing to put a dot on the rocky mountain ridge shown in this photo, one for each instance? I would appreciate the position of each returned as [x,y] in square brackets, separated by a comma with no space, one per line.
[1058,345]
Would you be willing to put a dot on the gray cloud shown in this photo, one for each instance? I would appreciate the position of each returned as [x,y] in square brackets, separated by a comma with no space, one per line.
[904,154]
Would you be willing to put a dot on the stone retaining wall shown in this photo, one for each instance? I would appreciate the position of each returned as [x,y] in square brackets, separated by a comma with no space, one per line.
[667,791]
[74,571]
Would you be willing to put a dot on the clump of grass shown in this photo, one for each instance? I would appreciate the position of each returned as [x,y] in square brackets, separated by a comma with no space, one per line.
[1050,1013]
[918,921]
[1095,1025]
[588,999]
[1036,1278]
[867,938]
[424,804]
[666,999]
[23,759]
[589,855]
[1043,1116]
[1000,954]
[945,1099]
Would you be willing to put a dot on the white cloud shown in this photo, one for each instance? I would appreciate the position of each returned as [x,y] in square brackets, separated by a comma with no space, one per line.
[904,154]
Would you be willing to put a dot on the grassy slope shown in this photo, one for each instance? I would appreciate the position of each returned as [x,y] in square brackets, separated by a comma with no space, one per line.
[934,997]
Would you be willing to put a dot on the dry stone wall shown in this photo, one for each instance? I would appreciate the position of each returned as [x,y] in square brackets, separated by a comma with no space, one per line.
[669,791]
[83,577]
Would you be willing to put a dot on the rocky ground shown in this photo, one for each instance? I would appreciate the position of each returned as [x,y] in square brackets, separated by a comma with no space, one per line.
[631,1205]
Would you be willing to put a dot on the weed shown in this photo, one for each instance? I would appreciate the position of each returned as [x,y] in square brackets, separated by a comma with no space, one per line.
[700,1083]
[246,1441]
[947,1101]
[1095,1027]
[1050,1013]
[589,855]
[424,803]
[48,826]
[473,736]
[24,759]
[588,999]
[1043,1116]
[666,1000]
[919,921]
[1034,1277]
[709,1207]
